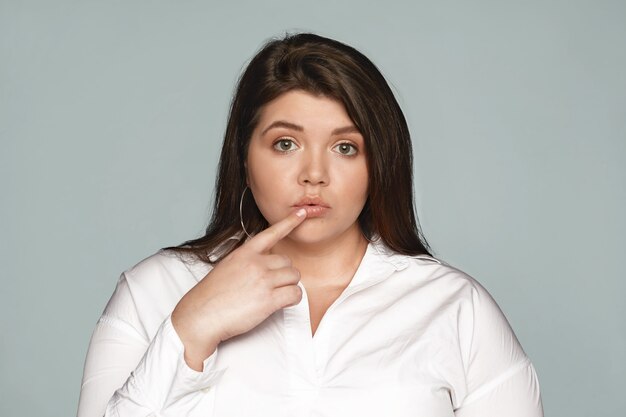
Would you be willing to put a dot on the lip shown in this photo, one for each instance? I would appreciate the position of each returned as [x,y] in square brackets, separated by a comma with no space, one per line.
[314,206]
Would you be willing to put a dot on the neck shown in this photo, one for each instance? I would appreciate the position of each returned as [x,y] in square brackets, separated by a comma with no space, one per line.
[327,263]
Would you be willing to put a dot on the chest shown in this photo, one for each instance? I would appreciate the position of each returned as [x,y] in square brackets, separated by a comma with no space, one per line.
[320,299]
[367,359]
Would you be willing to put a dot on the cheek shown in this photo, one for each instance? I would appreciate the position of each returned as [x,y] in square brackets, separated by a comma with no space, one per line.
[268,178]
[258,171]
[270,187]
[354,183]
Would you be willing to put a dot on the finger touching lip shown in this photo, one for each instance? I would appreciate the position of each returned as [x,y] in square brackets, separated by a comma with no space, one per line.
[313,210]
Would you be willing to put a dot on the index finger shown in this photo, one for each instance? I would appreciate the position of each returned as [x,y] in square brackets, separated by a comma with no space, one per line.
[266,239]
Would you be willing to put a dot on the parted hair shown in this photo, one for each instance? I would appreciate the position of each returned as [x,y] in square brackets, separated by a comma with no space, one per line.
[329,68]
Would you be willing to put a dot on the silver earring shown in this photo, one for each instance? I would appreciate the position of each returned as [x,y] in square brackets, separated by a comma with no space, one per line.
[241,212]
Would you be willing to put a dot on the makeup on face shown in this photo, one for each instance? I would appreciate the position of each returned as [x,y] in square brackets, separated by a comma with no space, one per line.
[306,153]
[314,206]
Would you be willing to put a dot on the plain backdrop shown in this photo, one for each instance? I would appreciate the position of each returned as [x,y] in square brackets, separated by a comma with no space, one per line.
[112,115]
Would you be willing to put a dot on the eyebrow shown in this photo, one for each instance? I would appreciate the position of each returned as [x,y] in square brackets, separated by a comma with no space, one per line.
[288,125]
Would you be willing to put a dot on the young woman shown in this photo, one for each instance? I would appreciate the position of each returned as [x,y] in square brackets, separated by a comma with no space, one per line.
[312,292]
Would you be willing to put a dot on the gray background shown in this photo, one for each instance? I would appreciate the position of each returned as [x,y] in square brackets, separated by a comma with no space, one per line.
[111,117]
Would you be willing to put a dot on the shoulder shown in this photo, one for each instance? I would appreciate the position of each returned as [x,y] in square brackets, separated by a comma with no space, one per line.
[147,292]
[480,320]
[168,274]
[457,284]
[489,350]
[164,266]
[489,346]
[161,279]
[434,281]
[430,271]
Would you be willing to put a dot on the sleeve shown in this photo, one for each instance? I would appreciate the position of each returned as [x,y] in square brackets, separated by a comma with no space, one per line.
[128,375]
[500,379]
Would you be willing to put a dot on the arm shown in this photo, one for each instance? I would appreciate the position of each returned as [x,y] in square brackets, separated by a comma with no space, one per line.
[513,394]
[239,293]
[500,379]
[128,375]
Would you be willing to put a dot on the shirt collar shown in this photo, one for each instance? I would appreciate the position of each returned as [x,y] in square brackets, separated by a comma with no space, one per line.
[384,254]
[378,263]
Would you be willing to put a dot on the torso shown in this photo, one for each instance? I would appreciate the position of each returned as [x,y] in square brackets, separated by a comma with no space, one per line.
[408,321]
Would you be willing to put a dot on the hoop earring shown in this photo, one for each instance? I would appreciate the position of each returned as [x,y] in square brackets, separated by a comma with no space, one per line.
[241,212]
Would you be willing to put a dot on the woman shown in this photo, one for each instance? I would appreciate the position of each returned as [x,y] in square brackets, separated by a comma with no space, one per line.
[312,292]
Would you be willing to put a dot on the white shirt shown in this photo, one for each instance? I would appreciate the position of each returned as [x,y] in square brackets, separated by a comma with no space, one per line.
[409,336]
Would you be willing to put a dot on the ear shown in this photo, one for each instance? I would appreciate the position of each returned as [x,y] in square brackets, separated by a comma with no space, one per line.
[245,168]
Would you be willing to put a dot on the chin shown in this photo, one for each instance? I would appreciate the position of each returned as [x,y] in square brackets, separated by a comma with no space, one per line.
[310,235]
[313,231]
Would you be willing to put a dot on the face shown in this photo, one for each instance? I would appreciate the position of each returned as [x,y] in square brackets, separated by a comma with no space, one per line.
[306,152]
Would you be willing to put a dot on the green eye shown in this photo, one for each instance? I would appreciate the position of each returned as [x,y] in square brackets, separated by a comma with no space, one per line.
[347,149]
[284,145]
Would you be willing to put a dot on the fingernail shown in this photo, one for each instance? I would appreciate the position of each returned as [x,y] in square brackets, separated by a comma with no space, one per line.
[301,212]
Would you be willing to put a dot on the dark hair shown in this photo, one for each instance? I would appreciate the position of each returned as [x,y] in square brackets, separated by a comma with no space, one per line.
[332,69]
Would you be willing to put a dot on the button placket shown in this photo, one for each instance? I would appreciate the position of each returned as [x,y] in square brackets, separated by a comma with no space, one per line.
[300,349]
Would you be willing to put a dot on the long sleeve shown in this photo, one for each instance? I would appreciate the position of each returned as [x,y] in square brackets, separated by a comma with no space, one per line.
[500,378]
[435,340]
[128,374]
[513,394]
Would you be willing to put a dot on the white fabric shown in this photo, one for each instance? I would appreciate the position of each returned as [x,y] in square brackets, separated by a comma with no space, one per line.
[409,336]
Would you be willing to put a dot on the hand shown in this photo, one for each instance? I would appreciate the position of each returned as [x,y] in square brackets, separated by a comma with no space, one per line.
[241,291]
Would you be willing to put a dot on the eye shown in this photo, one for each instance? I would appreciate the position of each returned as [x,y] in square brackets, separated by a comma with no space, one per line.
[346,149]
[285,145]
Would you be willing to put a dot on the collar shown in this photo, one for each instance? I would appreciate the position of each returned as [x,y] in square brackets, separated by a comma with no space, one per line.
[378,263]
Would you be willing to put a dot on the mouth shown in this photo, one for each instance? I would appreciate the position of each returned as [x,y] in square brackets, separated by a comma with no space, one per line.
[314,206]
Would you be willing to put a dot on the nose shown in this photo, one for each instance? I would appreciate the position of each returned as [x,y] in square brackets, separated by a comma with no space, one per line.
[314,169]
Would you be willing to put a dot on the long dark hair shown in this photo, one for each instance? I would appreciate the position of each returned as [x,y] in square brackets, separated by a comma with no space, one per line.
[329,68]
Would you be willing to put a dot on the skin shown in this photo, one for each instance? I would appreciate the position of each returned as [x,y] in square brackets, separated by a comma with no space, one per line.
[295,152]
[317,163]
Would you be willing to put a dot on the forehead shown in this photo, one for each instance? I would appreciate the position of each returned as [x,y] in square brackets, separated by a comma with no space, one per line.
[304,109]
